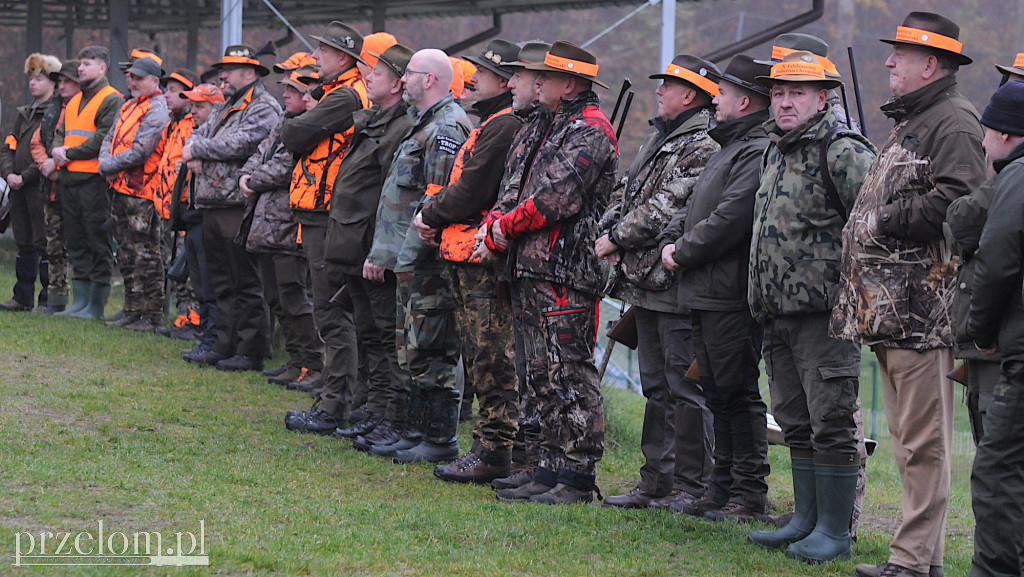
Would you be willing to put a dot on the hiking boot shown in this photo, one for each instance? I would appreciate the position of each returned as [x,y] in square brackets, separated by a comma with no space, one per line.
[307,381]
[202,356]
[360,428]
[277,371]
[429,451]
[889,570]
[699,507]
[316,421]
[517,478]
[635,499]
[14,306]
[243,363]
[522,494]
[674,500]
[185,333]
[143,325]
[122,319]
[733,511]
[48,309]
[562,494]
[470,469]
[360,413]
[389,449]
[286,376]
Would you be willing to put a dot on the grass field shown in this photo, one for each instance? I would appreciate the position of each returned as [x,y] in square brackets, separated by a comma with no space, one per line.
[98,423]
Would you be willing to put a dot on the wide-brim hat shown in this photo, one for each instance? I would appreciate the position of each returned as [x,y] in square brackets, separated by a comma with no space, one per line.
[185,76]
[497,51]
[145,67]
[241,55]
[342,37]
[799,66]
[931,31]
[396,58]
[692,70]
[743,71]
[1017,68]
[794,41]
[375,44]
[69,70]
[530,52]
[294,62]
[204,93]
[139,53]
[567,58]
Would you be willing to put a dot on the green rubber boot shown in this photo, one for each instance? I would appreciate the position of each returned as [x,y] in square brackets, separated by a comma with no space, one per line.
[81,290]
[805,516]
[836,486]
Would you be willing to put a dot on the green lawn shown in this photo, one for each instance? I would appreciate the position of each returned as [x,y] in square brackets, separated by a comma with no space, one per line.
[98,423]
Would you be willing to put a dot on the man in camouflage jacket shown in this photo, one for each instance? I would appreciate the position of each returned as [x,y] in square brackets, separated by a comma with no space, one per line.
[710,241]
[550,225]
[216,152]
[428,338]
[799,211]
[676,435]
[898,273]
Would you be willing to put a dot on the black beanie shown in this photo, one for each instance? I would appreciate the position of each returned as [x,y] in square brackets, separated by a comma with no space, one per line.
[1005,110]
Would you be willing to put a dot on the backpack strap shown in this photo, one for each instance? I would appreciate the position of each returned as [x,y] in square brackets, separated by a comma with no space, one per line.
[831,194]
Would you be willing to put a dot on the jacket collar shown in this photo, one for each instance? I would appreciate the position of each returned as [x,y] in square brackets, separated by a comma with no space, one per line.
[737,128]
[572,106]
[668,128]
[90,90]
[493,104]
[900,107]
[419,116]
[1015,154]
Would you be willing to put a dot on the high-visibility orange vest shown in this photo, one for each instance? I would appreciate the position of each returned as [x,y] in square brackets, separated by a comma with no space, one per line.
[457,242]
[138,181]
[314,173]
[80,125]
[175,136]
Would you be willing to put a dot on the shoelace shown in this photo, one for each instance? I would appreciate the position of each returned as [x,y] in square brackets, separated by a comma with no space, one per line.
[467,462]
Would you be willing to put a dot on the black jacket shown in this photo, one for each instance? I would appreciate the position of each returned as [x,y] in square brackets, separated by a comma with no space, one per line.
[712,238]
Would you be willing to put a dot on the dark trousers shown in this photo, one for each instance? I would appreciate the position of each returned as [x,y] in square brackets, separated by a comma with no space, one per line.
[28,226]
[997,481]
[242,321]
[676,434]
[727,354]
[284,288]
[334,323]
[374,309]
[199,275]
[86,232]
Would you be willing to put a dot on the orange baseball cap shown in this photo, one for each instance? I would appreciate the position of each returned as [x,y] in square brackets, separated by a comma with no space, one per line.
[374,44]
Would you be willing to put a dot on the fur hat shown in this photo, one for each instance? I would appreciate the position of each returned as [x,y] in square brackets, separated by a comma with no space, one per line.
[44,64]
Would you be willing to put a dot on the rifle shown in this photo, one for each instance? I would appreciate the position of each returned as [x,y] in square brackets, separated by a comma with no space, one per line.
[626,85]
[625,112]
[856,93]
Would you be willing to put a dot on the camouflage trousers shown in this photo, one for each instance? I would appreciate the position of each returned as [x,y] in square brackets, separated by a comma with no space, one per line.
[57,289]
[137,231]
[426,333]
[559,328]
[485,321]
[172,246]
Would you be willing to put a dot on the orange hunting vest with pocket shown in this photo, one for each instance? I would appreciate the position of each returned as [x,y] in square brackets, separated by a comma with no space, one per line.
[457,242]
[314,173]
[80,125]
[175,136]
[138,181]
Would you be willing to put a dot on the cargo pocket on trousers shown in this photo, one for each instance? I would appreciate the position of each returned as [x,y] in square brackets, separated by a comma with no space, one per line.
[841,383]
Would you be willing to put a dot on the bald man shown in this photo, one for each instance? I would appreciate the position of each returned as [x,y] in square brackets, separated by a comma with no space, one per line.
[428,340]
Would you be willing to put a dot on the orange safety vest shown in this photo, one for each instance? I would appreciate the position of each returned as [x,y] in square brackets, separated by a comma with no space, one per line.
[457,242]
[314,174]
[138,181]
[175,136]
[80,125]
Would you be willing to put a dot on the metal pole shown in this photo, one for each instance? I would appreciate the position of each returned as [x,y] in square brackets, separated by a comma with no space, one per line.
[192,35]
[230,23]
[668,32]
[118,43]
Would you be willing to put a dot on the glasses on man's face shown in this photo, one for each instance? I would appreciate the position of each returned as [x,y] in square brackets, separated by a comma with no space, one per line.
[409,71]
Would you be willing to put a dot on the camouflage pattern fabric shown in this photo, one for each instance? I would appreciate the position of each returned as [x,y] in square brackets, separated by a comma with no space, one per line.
[427,334]
[485,321]
[270,169]
[57,290]
[559,327]
[796,245]
[899,274]
[657,186]
[227,139]
[139,256]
